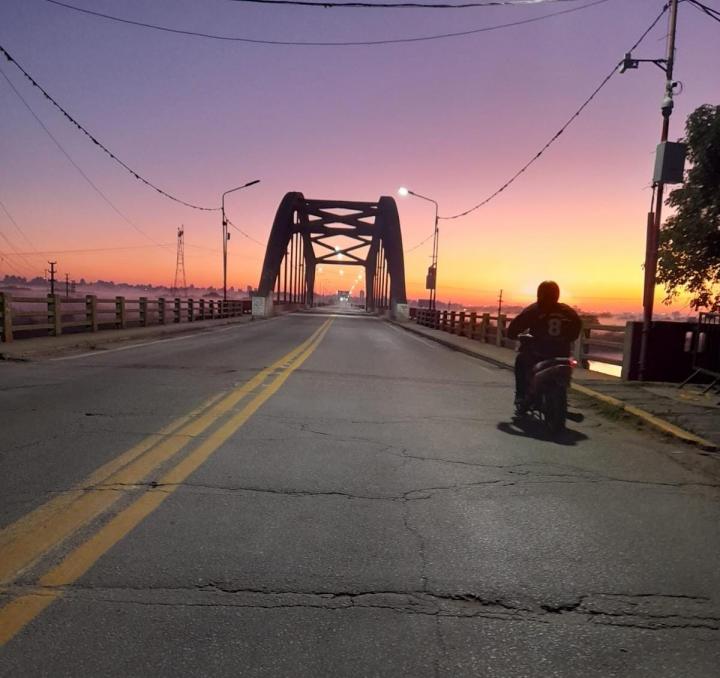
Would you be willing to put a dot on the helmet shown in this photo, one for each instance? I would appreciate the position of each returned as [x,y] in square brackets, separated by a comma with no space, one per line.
[548,293]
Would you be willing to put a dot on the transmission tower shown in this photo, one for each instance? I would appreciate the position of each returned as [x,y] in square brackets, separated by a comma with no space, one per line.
[180,264]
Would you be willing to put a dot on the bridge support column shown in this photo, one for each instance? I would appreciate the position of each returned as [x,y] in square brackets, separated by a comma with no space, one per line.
[262,306]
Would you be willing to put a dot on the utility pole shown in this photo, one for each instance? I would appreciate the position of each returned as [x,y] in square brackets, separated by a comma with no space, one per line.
[52,276]
[655,219]
[500,304]
[67,285]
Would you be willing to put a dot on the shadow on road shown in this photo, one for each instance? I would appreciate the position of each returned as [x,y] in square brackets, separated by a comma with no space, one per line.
[529,427]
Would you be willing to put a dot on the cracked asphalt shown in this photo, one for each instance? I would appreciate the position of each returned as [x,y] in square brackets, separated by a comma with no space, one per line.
[379,515]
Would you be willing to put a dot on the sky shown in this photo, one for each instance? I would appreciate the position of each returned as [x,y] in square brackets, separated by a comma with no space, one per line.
[451,119]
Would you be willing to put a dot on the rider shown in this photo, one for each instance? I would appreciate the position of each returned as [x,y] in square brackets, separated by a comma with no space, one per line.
[554,326]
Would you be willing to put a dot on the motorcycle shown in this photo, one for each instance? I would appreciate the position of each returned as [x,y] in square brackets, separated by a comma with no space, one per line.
[547,392]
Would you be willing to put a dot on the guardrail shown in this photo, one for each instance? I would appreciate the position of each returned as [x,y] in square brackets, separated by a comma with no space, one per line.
[22,317]
[600,343]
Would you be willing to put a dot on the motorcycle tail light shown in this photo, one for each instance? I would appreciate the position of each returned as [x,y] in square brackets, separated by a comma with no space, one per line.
[573,362]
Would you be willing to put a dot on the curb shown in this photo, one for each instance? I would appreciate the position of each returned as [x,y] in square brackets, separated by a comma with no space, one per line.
[660,424]
[648,418]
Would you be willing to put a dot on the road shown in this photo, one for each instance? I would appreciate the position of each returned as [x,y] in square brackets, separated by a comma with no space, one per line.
[333,496]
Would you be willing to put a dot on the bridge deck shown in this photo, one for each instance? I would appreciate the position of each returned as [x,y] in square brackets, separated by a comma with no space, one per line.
[318,495]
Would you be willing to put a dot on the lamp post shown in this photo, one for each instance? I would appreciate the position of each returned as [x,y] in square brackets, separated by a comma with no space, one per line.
[226,235]
[431,282]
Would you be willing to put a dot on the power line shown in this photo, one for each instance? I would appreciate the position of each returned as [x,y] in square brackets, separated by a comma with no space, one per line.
[92,184]
[398,5]
[12,247]
[420,244]
[712,13]
[98,143]
[17,226]
[89,250]
[15,252]
[707,8]
[346,43]
[247,235]
[557,134]
[11,264]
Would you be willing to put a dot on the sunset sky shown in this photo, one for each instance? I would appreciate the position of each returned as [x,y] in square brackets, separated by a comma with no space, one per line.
[452,119]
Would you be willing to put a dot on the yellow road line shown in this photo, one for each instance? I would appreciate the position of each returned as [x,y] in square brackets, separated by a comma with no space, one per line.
[16,614]
[23,610]
[24,542]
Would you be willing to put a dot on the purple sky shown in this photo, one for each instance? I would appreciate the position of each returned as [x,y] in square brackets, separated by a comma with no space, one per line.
[452,119]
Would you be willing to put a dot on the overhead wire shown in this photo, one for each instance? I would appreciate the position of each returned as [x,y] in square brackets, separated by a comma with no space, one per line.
[16,225]
[338,43]
[420,244]
[82,173]
[355,4]
[10,264]
[98,143]
[247,235]
[557,134]
[14,250]
[89,250]
[712,13]
[94,250]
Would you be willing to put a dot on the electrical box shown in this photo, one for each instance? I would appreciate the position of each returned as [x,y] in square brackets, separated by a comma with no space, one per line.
[670,163]
[430,278]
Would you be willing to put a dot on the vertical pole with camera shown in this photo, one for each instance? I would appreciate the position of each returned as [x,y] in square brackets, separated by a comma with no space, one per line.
[669,166]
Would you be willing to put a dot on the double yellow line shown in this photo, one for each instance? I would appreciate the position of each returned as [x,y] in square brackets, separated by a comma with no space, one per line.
[31,538]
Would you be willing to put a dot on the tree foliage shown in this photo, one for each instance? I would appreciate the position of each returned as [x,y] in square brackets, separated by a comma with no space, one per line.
[689,244]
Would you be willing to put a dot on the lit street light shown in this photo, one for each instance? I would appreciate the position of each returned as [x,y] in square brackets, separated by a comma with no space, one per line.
[431,282]
[226,235]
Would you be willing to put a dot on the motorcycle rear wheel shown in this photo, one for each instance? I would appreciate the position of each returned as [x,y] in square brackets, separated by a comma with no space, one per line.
[555,408]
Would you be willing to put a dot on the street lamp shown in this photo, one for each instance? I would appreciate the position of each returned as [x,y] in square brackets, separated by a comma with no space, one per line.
[226,235]
[431,283]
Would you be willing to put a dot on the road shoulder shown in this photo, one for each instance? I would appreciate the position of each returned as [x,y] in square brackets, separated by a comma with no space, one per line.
[68,344]
[623,400]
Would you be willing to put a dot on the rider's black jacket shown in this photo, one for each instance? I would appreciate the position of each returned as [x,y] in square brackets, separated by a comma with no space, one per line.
[554,327]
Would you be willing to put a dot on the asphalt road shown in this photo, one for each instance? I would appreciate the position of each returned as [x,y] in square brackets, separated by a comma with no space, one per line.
[315,496]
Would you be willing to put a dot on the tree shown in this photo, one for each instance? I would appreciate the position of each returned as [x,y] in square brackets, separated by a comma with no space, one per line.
[689,244]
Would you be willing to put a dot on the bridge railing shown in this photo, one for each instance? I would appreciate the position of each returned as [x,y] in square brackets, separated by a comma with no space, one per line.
[24,317]
[600,343]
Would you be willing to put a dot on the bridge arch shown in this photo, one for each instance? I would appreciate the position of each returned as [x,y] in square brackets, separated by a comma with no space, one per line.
[299,242]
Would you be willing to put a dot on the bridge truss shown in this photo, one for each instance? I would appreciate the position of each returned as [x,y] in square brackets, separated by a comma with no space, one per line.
[307,234]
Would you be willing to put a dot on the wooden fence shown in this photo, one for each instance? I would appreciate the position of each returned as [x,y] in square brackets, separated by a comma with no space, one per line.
[22,317]
[601,343]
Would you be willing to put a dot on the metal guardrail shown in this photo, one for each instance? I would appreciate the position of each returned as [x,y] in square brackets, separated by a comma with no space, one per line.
[600,343]
[705,342]
[21,317]
[706,349]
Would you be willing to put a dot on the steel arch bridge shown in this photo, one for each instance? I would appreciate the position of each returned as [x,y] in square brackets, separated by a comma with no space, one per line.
[309,233]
